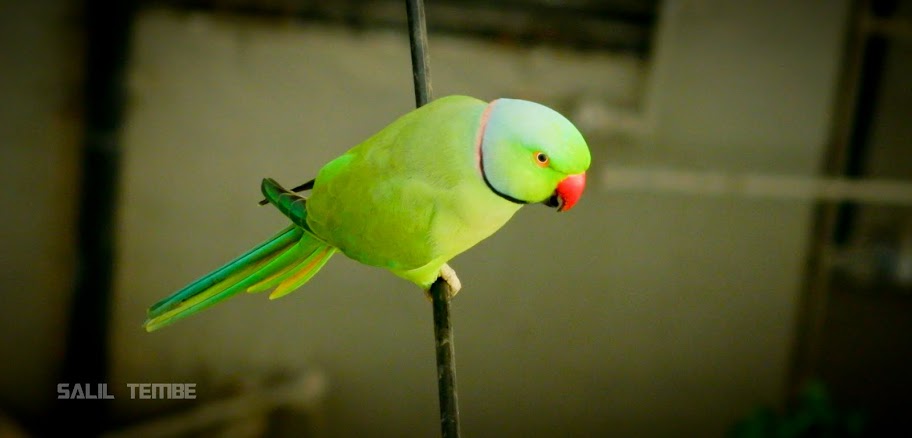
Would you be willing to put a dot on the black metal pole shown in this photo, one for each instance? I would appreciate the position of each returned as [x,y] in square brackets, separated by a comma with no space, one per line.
[440,290]
[420,63]
[446,362]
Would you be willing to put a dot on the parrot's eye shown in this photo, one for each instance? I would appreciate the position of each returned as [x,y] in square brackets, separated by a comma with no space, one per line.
[542,159]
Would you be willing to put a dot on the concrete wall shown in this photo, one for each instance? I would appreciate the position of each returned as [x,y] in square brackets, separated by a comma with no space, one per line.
[633,315]
[39,132]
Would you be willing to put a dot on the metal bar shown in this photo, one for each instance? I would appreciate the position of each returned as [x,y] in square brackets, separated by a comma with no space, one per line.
[440,290]
[780,187]
[419,48]
[446,367]
[578,25]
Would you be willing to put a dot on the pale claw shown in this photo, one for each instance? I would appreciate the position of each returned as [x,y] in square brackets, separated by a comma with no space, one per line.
[449,275]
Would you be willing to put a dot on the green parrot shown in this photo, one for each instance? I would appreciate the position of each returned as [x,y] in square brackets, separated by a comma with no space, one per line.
[427,187]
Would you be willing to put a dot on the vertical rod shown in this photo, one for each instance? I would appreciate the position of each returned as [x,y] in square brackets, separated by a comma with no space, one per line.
[446,367]
[418,41]
[440,290]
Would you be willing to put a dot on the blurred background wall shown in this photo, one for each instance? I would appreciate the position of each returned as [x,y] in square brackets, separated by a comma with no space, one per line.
[40,125]
[640,313]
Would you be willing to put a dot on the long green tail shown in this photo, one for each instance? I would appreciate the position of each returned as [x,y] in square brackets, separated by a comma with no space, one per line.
[285,262]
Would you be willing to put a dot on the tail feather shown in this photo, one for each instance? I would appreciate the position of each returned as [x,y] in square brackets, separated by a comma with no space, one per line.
[285,256]
[279,242]
[291,261]
[303,272]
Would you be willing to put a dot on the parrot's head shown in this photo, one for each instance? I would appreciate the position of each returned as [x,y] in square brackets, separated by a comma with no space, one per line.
[529,153]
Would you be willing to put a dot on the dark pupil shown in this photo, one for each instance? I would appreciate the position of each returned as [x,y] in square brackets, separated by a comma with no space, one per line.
[542,158]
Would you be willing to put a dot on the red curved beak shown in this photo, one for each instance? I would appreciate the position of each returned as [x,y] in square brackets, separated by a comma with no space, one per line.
[569,191]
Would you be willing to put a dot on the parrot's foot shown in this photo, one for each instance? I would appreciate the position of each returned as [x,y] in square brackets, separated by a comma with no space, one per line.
[448,275]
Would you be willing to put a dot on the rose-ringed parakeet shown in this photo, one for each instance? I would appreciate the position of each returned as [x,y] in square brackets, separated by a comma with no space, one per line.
[425,188]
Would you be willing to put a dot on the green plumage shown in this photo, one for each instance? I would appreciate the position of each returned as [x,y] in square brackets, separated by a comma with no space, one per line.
[407,224]
[407,199]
